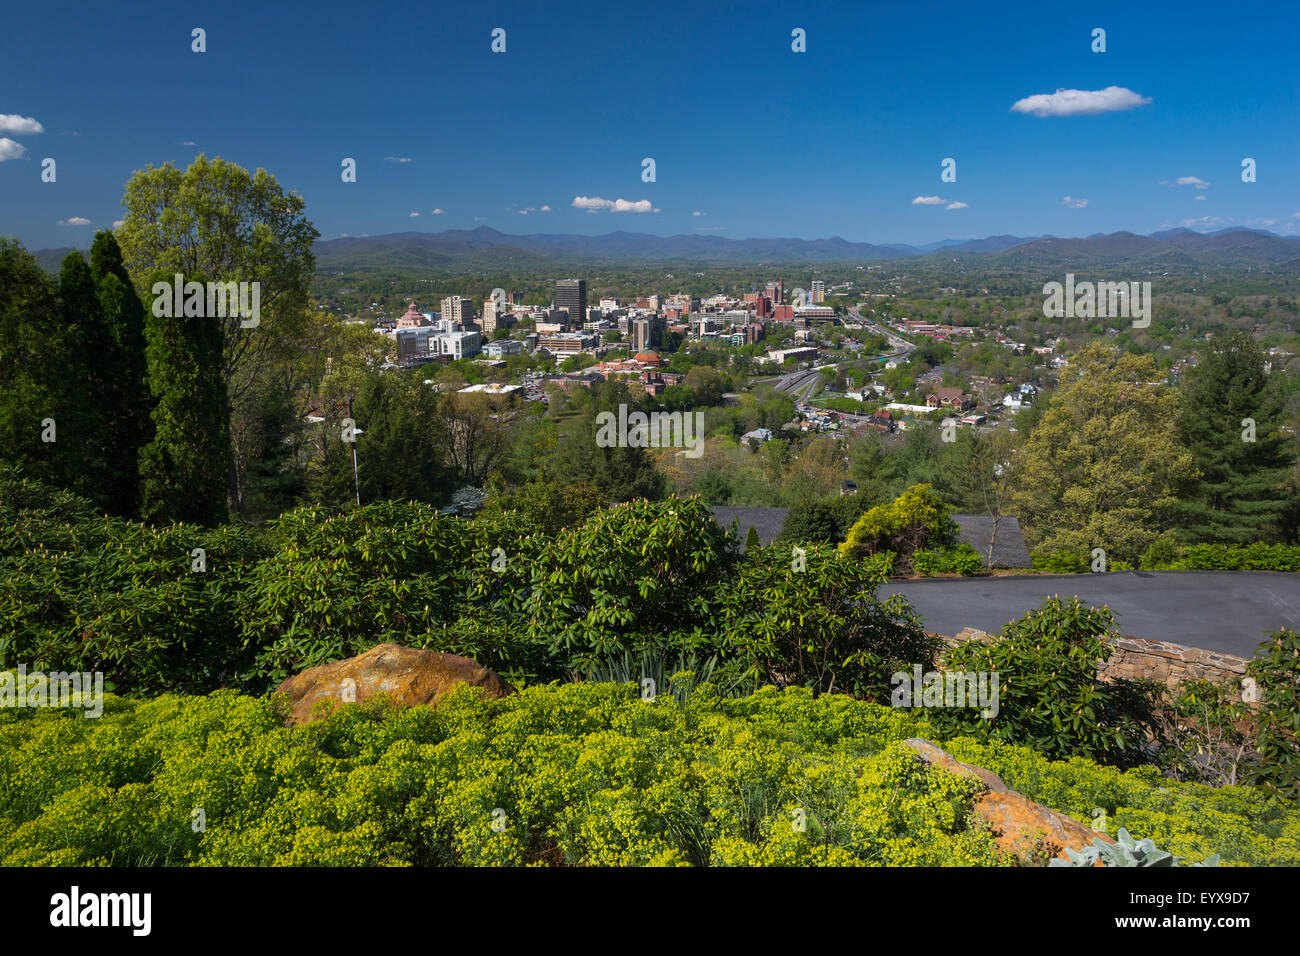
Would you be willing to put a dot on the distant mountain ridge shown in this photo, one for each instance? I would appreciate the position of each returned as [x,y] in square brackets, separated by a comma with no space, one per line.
[487,248]
[1227,247]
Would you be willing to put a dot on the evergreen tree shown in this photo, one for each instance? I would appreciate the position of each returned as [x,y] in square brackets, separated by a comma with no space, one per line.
[621,472]
[184,468]
[84,386]
[1241,495]
[29,362]
[126,400]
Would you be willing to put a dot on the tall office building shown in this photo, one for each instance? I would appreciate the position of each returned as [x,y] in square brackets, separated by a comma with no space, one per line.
[495,318]
[818,290]
[647,333]
[459,310]
[571,294]
[776,292]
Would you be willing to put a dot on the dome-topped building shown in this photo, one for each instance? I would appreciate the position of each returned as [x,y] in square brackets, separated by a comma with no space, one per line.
[413,319]
[648,357]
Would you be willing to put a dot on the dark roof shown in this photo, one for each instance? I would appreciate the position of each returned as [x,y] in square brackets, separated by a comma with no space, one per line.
[1011,550]
[768,522]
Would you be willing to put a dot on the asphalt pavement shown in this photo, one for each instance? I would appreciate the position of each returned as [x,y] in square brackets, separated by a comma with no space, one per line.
[1227,611]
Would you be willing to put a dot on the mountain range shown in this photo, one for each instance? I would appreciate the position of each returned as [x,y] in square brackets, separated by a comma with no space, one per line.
[460,250]
[487,248]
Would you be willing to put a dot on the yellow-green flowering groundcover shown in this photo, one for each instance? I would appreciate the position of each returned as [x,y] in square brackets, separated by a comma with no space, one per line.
[562,774]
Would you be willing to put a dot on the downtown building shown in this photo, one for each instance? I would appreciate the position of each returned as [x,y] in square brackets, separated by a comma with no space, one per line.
[459,311]
[571,295]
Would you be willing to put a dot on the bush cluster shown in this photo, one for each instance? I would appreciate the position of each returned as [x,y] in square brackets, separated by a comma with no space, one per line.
[586,774]
[80,591]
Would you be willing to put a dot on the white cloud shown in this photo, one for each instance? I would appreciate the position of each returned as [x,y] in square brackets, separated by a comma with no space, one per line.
[397,159]
[23,125]
[957,205]
[437,212]
[593,203]
[118,223]
[74,221]
[414,214]
[1080,102]
[1200,198]
[928,201]
[1074,203]
[546,209]
[188,142]
[11,150]
[1207,222]
[698,213]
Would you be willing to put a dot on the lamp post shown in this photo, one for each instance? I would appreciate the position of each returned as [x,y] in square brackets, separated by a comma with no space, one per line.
[356,480]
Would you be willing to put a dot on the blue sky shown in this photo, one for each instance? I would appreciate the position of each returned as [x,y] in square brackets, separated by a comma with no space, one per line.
[760,140]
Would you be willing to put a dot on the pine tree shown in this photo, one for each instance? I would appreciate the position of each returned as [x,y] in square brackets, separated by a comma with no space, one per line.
[621,472]
[1230,420]
[184,469]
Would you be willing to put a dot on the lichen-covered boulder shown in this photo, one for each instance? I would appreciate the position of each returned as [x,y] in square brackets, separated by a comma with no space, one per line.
[1020,826]
[405,675]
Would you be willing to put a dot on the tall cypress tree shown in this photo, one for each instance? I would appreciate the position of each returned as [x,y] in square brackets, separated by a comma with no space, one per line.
[84,384]
[30,332]
[1241,495]
[128,403]
[184,467]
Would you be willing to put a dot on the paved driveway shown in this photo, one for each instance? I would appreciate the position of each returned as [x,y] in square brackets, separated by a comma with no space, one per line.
[1228,611]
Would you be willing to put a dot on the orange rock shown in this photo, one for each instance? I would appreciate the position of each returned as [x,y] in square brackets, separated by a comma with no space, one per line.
[1020,826]
[404,674]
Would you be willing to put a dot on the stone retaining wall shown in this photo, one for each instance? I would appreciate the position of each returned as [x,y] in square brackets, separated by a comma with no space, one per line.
[1135,657]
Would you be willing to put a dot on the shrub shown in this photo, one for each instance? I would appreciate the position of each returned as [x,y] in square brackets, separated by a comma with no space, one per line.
[1070,562]
[586,774]
[962,559]
[1276,672]
[87,592]
[338,584]
[1252,557]
[1163,553]
[1049,694]
[915,519]
[638,575]
[819,624]
[1204,733]
[823,520]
